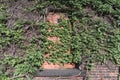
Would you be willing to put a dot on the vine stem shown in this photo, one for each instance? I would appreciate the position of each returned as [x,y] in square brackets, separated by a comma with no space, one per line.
[45,13]
[19,76]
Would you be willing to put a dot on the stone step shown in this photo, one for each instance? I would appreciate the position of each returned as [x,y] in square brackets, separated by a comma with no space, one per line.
[58,78]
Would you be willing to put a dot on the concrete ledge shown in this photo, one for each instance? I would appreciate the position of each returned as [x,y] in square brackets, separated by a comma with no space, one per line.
[59,73]
[58,78]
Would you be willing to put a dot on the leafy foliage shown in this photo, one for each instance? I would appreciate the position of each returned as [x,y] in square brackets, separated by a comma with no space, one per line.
[58,52]
[91,36]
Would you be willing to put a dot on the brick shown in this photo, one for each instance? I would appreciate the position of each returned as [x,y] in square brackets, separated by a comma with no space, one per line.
[103,72]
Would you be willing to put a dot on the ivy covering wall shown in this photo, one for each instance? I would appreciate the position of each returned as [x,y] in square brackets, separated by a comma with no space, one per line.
[95,36]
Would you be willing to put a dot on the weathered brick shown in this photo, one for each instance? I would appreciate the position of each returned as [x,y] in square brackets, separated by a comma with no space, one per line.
[104,72]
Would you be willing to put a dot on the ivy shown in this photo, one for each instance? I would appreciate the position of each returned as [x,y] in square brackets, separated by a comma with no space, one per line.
[57,52]
[86,34]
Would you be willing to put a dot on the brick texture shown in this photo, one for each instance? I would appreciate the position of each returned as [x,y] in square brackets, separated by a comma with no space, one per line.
[104,72]
[99,72]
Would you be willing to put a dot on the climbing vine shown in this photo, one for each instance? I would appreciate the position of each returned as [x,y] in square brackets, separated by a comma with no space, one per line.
[94,34]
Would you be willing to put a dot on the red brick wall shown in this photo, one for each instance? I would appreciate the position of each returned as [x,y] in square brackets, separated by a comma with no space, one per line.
[104,72]
[99,72]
